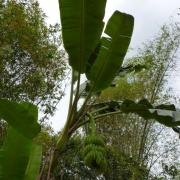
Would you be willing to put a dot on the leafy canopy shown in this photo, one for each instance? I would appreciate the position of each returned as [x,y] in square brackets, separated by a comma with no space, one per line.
[32,64]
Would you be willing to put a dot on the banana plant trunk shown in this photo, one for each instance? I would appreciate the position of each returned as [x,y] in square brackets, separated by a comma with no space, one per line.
[60,146]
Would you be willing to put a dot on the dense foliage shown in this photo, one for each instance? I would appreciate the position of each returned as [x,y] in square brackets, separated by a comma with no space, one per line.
[32,65]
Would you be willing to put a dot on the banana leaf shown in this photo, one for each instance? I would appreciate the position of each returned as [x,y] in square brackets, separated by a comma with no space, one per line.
[82,25]
[33,166]
[14,156]
[165,114]
[21,116]
[112,51]
[19,158]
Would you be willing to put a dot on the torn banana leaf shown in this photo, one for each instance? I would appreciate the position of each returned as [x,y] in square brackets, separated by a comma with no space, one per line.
[164,114]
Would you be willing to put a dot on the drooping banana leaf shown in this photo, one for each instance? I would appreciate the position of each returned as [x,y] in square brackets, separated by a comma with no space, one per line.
[164,114]
[21,116]
[82,25]
[14,156]
[112,51]
[33,166]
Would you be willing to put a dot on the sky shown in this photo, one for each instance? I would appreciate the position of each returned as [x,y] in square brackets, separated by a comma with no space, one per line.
[149,16]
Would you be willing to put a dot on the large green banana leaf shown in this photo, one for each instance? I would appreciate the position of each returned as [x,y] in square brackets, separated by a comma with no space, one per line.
[82,25]
[14,156]
[33,167]
[21,116]
[19,158]
[113,50]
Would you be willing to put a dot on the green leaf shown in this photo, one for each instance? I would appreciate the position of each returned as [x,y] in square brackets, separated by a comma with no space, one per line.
[82,25]
[166,107]
[33,167]
[113,50]
[93,57]
[164,114]
[21,116]
[167,117]
[14,156]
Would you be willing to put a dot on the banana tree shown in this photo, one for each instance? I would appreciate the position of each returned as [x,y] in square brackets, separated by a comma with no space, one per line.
[99,55]
[90,52]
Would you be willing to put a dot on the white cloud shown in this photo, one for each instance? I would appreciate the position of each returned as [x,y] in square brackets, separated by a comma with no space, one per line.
[51,8]
[149,15]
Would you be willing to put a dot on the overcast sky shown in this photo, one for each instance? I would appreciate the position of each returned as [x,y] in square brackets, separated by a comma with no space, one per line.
[149,16]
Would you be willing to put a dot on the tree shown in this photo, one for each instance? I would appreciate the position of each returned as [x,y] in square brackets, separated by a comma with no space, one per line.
[32,64]
[32,68]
